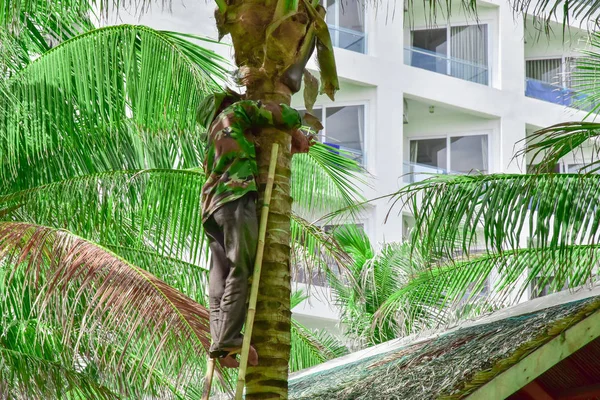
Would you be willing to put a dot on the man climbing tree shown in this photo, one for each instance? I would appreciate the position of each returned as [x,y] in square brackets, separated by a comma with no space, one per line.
[229,207]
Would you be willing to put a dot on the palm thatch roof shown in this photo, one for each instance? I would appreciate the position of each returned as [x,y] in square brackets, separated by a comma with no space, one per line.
[456,363]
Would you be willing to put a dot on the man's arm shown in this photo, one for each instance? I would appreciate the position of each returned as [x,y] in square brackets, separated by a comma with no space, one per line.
[300,142]
[259,114]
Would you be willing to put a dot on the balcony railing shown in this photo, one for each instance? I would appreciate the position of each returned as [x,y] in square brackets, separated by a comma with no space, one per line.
[442,64]
[555,94]
[414,172]
[348,39]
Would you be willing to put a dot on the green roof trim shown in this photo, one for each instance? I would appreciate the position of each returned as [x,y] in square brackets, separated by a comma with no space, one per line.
[541,360]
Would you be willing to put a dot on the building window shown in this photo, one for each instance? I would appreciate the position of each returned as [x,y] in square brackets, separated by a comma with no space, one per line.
[458,51]
[449,155]
[550,79]
[346,21]
[344,129]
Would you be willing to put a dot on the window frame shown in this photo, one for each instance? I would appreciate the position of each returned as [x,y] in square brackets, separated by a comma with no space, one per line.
[563,66]
[336,24]
[323,134]
[449,26]
[448,137]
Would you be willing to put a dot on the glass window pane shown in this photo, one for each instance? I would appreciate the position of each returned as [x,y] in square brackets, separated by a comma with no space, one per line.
[547,71]
[434,40]
[430,152]
[469,154]
[581,168]
[352,15]
[469,52]
[349,14]
[431,48]
[346,20]
[344,129]
[330,8]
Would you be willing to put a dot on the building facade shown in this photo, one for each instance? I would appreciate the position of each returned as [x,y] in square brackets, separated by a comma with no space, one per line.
[424,95]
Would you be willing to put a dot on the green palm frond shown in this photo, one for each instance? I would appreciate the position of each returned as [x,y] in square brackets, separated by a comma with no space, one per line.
[189,278]
[99,299]
[443,294]
[373,278]
[91,90]
[156,210]
[553,210]
[315,250]
[24,375]
[326,180]
[548,10]
[11,11]
[311,347]
[550,145]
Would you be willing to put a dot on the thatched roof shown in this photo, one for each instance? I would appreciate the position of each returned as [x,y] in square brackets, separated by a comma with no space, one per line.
[451,364]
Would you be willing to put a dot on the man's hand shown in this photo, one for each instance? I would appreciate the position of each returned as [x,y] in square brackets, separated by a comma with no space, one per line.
[300,142]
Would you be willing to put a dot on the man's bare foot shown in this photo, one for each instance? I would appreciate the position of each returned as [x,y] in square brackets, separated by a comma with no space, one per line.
[228,362]
[252,355]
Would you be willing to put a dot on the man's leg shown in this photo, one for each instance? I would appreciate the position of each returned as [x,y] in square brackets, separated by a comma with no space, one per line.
[219,270]
[239,224]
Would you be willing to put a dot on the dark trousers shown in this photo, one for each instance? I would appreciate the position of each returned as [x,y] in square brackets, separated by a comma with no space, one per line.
[232,232]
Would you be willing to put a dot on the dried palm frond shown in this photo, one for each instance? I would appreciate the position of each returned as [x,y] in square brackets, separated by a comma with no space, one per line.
[99,300]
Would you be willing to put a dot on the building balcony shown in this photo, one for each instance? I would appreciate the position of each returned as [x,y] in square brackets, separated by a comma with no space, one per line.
[555,94]
[415,172]
[348,39]
[442,64]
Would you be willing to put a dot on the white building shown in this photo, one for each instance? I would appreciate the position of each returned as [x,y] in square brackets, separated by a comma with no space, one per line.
[425,96]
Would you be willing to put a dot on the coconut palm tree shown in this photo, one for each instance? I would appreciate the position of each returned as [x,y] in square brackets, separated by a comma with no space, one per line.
[103,261]
[272,41]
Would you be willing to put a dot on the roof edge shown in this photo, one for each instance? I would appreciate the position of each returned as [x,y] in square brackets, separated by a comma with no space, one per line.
[526,307]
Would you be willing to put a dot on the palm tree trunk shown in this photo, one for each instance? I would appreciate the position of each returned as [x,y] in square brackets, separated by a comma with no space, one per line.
[272,324]
[262,65]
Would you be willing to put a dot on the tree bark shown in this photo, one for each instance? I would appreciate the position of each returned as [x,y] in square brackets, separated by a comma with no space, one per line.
[263,60]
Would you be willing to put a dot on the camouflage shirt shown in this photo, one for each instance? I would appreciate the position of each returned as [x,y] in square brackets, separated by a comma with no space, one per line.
[230,162]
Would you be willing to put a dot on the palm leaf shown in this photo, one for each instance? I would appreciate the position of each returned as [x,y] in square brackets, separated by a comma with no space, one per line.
[156,210]
[325,180]
[24,375]
[548,10]
[549,145]
[316,251]
[189,278]
[74,280]
[148,82]
[553,210]
[31,34]
[443,294]
[374,277]
[311,347]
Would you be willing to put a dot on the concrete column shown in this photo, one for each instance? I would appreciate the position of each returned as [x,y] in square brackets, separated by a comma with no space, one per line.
[512,50]
[386,159]
[512,132]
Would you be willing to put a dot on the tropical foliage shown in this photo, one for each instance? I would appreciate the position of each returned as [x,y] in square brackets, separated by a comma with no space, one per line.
[103,261]
[486,241]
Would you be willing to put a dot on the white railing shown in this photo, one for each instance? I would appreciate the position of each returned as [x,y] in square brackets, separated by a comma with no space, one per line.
[414,172]
[348,39]
[442,64]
